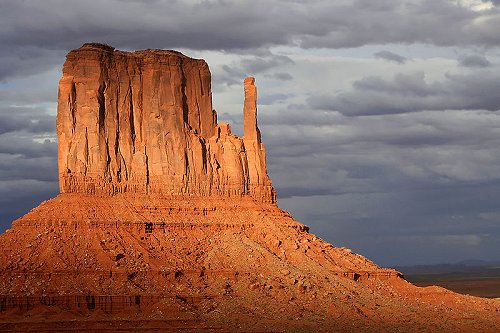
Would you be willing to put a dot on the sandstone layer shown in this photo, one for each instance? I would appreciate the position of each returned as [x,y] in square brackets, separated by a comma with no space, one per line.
[143,122]
[167,222]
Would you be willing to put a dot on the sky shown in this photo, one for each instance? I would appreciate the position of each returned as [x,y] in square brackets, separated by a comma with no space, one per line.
[380,117]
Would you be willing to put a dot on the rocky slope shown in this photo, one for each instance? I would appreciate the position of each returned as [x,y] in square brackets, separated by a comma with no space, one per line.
[151,262]
[167,222]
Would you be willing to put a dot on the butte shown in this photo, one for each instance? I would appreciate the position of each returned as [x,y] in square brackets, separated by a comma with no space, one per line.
[167,221]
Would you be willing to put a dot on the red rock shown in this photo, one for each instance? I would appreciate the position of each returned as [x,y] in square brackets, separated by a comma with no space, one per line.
[251,131]
[143,122]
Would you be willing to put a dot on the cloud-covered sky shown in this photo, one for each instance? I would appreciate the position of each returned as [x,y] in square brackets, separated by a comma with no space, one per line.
[381,118]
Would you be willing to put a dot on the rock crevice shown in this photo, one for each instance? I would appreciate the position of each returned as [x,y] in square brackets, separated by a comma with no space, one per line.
[143,122]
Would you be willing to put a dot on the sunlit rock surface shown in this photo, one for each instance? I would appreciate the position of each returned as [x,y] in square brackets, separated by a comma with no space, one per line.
[143,122]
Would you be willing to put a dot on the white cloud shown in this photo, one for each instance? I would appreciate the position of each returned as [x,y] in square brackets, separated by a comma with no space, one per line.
[475,5]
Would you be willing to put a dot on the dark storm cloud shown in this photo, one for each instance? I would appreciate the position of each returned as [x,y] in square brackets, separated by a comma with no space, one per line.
[28,173]
[318,153]
[38,30]
[17,197]
[27,145]
[331,130]
[474,60]
[430,22]
[412,92]
[28,156]
[18,167]
[390,56]
[28,168]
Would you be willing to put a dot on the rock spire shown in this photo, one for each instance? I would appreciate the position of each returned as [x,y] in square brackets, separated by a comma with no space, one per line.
[143,122]
[251,131]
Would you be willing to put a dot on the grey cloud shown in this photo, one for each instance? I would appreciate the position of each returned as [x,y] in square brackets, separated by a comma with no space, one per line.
[268,99]
[15,167]
[28,173]
[36,31]
[257,65]
[16,190]
[494,2]
[297,114]
[317,153]
[281,76]
[390,56]
[136,24]
[234,73]
[21,90]
[36,94]
[474,60]
[430,22]
[227,75]
[330,130]
[28,162]
[411,92]
[33,120]
[25,145]
[27,60]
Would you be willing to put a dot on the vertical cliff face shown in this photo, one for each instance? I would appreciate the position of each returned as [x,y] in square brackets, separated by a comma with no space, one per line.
[256,155]
[143,122]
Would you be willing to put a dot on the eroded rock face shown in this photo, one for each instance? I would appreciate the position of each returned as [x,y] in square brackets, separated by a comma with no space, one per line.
[143,122]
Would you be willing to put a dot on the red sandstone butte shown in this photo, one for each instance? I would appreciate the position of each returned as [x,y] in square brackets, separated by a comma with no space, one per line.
[168,222]
[143,122]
